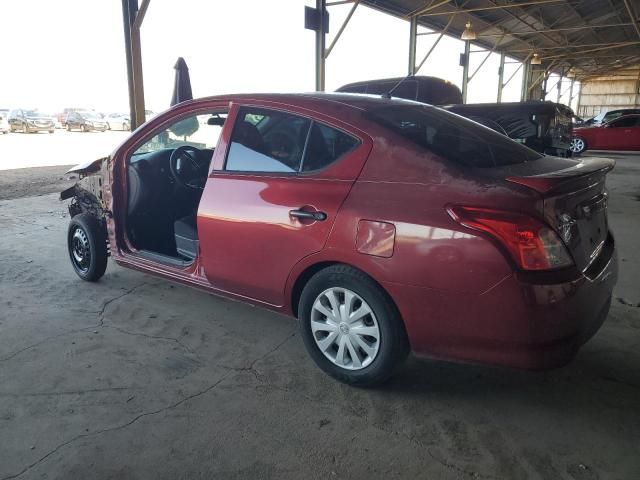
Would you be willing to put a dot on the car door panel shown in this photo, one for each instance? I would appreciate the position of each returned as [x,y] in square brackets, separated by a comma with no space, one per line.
[249,240]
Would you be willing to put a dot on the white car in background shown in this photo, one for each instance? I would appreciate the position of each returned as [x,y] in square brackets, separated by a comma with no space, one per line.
[4,120]
[118,121]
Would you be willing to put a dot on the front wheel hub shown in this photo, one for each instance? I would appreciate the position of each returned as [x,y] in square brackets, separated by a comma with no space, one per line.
[80,250]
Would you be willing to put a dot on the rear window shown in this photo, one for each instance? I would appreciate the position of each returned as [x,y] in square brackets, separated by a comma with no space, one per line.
[452,137]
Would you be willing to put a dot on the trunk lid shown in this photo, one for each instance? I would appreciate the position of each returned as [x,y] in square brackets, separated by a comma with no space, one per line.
[574,201]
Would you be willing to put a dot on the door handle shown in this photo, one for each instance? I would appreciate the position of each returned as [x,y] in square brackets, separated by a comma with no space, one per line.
[317,216]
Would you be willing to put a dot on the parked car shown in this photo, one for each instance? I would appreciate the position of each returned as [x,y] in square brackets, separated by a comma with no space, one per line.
[62,116]
[4,120]
[543,126]
[607,116]
[623,133]
[30,121]
[85,121]
[383,225]
[431,90]
[118,121]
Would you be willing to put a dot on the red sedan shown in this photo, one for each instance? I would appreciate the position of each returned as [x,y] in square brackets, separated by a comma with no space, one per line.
[623,133]
[384,226]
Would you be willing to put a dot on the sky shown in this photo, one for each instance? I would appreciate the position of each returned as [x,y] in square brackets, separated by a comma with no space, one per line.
[71,53]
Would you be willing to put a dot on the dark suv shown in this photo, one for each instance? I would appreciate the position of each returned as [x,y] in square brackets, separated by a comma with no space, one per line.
[29,121]
[543,126]
[85,121]
[431,90]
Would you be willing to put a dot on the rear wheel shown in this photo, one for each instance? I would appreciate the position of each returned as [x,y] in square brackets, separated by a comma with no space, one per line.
[26,128]
[68,127]
[87,245]
[577,145]
[83,127]
[350,327]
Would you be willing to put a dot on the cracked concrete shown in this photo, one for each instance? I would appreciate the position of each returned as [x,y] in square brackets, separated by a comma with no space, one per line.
[134,377]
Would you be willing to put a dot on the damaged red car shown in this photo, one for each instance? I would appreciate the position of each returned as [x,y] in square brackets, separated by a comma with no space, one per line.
[383,225]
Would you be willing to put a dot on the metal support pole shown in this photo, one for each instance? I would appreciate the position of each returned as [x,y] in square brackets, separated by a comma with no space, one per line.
[544,86]
[558,86]
[465,71]
[579,99]
[526,72]
[138,83]
[413,37]
[573,80]
[501,77]
[321,7]
[127,47]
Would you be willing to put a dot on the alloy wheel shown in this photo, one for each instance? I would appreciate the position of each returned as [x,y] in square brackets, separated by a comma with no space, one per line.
[345,329]
[577,145]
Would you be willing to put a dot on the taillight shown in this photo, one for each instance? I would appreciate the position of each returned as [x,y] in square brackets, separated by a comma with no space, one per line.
[531,243]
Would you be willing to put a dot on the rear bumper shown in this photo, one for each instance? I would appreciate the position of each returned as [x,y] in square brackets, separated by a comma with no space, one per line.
[515,324]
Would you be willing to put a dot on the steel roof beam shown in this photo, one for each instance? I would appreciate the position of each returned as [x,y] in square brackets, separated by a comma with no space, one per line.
[342,27]
[562,29]
[495,7]
[632,14]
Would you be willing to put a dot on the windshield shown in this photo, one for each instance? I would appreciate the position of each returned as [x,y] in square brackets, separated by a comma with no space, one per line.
[452,136]
[90,115]
[33,113]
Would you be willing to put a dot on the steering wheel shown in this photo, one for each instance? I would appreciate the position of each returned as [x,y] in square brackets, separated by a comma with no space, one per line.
[185,167]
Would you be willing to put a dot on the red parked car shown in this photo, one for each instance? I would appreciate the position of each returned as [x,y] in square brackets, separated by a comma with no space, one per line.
[383,225]
[623,133]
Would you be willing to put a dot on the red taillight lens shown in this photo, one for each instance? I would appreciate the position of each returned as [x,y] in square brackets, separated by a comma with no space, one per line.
[532,244]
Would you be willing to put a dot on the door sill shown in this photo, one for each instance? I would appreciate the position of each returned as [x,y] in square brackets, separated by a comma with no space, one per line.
[164,259]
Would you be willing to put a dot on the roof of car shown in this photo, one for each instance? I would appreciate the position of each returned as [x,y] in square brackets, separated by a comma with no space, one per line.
[354,100]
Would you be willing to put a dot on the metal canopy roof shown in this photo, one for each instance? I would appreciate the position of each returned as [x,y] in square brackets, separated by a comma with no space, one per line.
[590,37]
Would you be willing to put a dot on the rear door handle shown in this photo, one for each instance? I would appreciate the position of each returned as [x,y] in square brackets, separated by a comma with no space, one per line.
[317,216]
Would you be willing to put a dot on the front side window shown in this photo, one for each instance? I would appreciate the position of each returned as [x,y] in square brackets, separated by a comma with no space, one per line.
[200,131]
[451,136]
[273,141]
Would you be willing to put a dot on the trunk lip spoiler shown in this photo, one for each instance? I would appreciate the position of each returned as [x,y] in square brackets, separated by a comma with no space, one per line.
[545,182]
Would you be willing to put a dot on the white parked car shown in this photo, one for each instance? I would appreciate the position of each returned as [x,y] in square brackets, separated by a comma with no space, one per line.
[4,120]
[118,121]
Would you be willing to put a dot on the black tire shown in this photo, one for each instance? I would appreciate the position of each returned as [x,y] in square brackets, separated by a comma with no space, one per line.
[393,347]
[26,128]
[68,127]
[87,246]
[83,128]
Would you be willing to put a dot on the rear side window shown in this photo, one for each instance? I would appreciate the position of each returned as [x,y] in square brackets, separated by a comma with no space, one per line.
[325,146]
[273,141]
[626,122]
[452,137]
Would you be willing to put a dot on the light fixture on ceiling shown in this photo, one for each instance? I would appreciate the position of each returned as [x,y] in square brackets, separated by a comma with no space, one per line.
[468,33]
[536,60]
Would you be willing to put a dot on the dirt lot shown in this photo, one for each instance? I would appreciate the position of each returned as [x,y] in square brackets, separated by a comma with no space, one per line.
[28,182]
[52,155]
[134,377]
